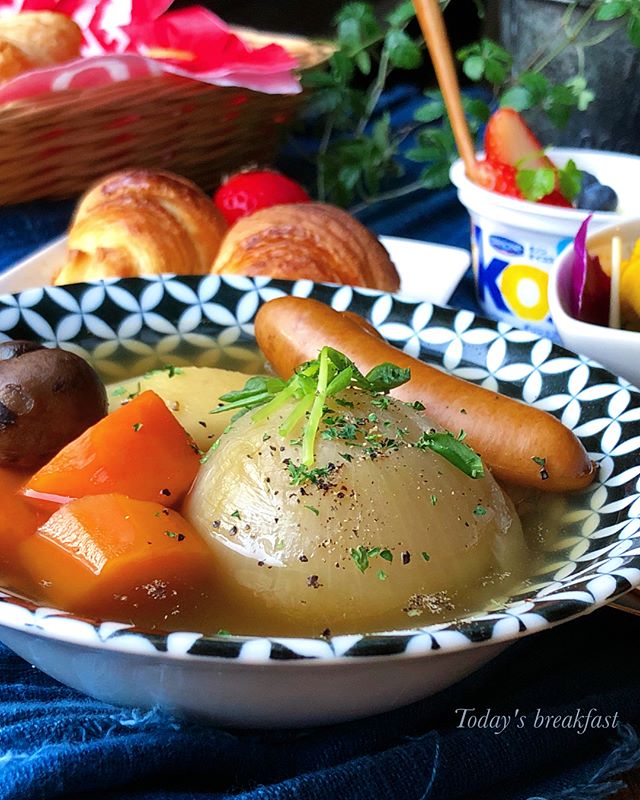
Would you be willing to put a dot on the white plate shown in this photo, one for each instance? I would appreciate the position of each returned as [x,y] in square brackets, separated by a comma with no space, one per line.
[427,271]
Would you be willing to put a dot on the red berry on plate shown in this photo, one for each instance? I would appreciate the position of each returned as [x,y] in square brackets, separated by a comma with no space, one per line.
[556,198]
[497,177]
[246,192]
[508,140]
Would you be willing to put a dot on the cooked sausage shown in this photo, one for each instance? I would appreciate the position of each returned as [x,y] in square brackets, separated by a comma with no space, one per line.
[362,323]
[520,444]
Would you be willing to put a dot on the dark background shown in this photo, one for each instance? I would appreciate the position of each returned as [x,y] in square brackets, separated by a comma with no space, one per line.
[314,19]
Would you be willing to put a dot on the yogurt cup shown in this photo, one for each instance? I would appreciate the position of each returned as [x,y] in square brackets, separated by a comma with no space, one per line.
[514,243]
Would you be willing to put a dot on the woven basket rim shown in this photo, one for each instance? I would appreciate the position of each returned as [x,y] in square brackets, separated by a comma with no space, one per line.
[310,53]
[118,91]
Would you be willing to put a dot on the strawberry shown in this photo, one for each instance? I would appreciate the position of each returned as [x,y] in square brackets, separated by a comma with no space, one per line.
[509,146]
[245,192]
[508,140]
[497,177]
[556,198]
[502,178]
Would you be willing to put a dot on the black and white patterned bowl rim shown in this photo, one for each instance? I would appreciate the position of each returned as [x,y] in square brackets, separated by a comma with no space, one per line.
[150,319]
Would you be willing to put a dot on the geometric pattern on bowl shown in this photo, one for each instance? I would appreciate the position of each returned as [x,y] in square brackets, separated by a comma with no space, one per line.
[130,325]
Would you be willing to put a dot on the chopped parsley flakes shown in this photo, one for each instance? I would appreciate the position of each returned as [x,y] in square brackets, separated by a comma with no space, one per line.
[454,450]
[301,474]
[362,555]
[381,402]
[541,462]
[168,368]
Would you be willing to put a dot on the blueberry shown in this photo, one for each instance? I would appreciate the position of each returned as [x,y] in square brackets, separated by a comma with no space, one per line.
[588,179]
[594,196]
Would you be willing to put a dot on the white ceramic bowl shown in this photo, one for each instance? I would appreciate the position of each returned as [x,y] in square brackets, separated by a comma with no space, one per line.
[136,325]
[618,351]
[514,243]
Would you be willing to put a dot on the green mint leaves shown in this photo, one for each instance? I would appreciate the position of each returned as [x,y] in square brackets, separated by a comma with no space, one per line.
[485,59]
[570,180]
[617,9]
[538,183]
[360,160]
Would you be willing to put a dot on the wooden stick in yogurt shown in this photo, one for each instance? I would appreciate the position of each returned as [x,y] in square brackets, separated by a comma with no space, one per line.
[435,35]
[614,298]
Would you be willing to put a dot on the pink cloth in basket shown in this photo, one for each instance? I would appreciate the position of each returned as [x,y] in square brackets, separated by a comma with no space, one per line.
[127,39]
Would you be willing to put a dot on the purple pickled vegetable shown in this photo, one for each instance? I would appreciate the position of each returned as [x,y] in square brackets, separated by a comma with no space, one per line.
[579,273]
[590,284]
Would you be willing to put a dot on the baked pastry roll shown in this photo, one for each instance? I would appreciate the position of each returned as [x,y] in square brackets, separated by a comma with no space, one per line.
[42,37]
[307,240]
[139,222]
[12,61]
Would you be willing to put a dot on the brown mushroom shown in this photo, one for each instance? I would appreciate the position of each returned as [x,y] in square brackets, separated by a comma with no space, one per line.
[48,397]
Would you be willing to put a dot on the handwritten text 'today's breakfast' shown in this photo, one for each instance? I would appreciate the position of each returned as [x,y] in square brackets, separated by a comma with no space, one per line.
[579,721]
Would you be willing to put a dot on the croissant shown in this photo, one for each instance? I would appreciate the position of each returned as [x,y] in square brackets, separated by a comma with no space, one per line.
[140,222]
[12,61]
[307,240]
[36,39]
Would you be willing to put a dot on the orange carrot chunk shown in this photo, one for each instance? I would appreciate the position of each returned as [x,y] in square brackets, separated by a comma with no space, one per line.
[112,557]
[140,450]
[17,517]
[18,520]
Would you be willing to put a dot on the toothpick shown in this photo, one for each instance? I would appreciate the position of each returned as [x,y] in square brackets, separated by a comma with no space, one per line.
[614,299]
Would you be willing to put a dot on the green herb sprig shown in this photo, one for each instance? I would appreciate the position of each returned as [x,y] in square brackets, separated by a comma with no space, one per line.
[454,450]
[360,158]
[309,388]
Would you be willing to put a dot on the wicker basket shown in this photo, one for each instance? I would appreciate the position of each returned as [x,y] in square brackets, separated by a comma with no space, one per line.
[54,145]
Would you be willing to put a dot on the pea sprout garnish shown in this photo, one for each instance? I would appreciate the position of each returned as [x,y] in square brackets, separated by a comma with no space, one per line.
[310,389]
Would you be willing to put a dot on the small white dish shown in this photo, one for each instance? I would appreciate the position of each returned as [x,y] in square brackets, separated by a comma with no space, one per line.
[514,242]
[617,350]
[427,271]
